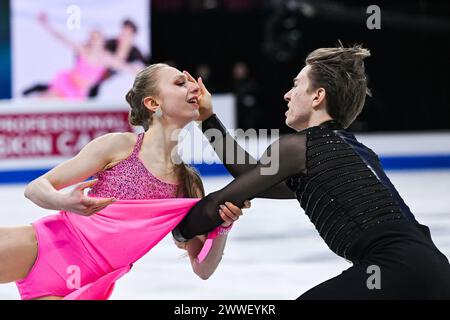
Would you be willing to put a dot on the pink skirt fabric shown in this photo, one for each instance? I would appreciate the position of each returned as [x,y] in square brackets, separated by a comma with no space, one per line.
[65,87]
[81,257]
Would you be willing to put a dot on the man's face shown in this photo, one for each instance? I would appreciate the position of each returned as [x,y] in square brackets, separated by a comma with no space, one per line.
[127,34]
[300,101]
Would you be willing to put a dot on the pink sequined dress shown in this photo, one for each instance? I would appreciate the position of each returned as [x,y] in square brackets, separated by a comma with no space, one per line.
[81,257]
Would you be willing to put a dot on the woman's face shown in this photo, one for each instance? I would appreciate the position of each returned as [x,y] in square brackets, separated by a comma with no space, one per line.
[299,101]
[177,97]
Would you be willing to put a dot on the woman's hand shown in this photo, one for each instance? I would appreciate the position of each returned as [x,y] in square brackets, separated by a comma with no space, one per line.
[180,245]
[204,267]
[230,213]
[77,202]
[204,100]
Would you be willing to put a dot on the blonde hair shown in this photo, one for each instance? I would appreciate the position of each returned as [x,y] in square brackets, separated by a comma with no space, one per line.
[145,84]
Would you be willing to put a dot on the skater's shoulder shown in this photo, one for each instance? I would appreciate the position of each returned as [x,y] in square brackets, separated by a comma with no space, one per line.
[292,142]
[116,146]
[121,138]
[117,141]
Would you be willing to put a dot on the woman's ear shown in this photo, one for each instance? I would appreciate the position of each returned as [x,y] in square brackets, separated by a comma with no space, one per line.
[151,103]
[319,97]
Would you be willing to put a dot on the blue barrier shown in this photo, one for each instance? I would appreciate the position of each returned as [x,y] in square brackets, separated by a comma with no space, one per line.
[391,163]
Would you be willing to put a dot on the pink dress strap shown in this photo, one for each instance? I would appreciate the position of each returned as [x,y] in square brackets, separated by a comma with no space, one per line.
[138,144]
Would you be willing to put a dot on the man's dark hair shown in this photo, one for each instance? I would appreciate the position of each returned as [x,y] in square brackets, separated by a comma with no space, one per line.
[131,24]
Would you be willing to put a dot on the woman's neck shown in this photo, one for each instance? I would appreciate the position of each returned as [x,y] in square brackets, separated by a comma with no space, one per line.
[161,141]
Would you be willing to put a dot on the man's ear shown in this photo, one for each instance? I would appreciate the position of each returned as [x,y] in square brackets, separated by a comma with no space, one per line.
[319,97]
[151,103]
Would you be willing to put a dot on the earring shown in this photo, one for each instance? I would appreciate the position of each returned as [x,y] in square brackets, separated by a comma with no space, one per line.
[158,112]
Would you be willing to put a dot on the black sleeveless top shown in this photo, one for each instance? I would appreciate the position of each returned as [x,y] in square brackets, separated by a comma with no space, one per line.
[339,182]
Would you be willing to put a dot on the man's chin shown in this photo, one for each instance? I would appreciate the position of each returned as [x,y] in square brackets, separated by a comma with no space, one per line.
[293,125]
[288,122]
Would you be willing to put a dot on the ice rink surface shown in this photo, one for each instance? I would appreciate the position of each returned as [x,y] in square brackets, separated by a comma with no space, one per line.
[273,251]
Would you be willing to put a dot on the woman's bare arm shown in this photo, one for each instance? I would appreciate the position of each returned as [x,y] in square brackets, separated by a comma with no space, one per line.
[205,268]
[94,157]
[42,18]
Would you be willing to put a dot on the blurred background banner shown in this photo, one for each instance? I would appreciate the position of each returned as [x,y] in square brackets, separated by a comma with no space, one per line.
[78,49]
[34,137]
[5,51]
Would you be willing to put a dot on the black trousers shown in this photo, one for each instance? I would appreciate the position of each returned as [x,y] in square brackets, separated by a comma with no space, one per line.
[403,263]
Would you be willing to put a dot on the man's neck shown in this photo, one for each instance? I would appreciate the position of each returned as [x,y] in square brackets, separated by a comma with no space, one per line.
[318,121]
[315,120]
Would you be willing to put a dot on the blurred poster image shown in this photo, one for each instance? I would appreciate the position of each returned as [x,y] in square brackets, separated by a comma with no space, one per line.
[5,52]
[78,50]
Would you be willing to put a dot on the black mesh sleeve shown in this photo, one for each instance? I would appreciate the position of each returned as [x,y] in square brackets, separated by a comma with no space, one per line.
[282,159]
[236,159]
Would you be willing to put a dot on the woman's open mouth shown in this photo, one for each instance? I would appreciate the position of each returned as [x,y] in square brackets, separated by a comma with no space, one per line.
[194,102]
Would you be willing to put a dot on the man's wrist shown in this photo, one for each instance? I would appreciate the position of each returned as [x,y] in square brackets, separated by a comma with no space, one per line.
[208,116]
[213,122]
[176,233]
[209,122]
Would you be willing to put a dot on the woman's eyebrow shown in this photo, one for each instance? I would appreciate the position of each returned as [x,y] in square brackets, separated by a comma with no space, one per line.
[181,77]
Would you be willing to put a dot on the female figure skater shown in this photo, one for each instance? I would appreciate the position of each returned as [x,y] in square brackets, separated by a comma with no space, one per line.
[92,61]
[81,251]
[340,184]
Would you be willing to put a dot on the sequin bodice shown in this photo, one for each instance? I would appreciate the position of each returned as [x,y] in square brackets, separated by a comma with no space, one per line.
[131,180]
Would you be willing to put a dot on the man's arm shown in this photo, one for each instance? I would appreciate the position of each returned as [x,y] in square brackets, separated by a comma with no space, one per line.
[282,159]
[236,159]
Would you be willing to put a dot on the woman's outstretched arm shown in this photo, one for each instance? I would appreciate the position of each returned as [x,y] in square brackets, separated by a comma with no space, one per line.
[205,262]
[43,20]
[45,191]
[205,256]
